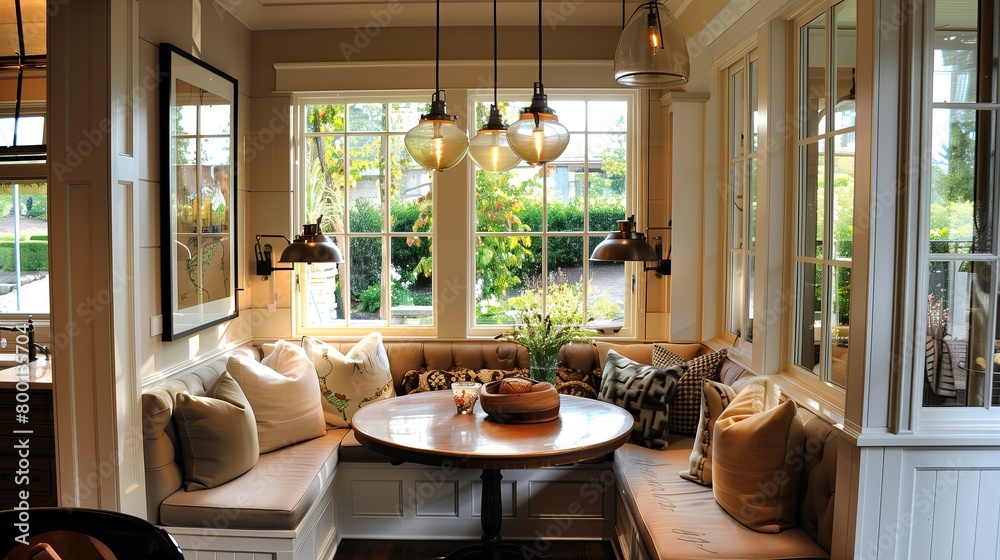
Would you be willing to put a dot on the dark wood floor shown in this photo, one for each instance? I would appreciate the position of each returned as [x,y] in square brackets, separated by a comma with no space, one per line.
[416,550]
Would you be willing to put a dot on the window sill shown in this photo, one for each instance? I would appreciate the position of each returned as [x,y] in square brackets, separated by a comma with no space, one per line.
[823,399]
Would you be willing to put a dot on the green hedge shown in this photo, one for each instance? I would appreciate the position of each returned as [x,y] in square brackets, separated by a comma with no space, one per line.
[34,255]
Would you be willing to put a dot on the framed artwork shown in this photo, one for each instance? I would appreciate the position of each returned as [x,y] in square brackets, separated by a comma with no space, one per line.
[198,194]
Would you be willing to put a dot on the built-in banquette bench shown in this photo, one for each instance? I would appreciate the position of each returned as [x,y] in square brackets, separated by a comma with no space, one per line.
[299,501]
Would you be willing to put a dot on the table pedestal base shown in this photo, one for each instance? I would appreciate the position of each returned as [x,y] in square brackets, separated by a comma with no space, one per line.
[491,547]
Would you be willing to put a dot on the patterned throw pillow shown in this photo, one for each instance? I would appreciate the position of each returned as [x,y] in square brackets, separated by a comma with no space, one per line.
[417,381]
[715,398]
[665,358]
[646,392]
[687,403]
[349,382]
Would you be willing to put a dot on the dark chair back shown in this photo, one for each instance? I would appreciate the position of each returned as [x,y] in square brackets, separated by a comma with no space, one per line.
[77,533]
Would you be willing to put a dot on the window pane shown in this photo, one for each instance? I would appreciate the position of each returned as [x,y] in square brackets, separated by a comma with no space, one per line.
[752,106]
[325,305]
[752,204]
[509,201]
[410,187]
[846,16]
[572,114]
[324,118]
[961,209]
[840,323]
[955,65]
[564,292]
[736,115]
[737,205]
[24,228]
[813,79]
[843,195]
[605,116]
[960,341]
[748,306]
[808,316]
[735,302]
[412,301]
[325,181]
[404,116]
[367,117]
[365,193]
[811,199]
[565,199]
[506,267]
[365,277]
[605,289]
[607,187]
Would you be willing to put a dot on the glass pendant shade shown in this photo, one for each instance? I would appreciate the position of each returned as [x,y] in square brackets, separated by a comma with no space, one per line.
[538,136]
[489,148]
[437,142]
[651,50]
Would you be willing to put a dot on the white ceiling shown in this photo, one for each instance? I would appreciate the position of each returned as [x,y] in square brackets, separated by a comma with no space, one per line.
[314,14]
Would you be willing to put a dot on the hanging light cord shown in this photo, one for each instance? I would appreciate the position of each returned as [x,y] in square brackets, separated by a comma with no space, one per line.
[539,41]
[437,51]
[496,67]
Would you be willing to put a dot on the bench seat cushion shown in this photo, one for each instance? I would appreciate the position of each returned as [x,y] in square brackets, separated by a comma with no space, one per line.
[275,494]
[678,518]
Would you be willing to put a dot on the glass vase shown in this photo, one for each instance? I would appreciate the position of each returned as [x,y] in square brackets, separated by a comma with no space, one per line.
[543,367]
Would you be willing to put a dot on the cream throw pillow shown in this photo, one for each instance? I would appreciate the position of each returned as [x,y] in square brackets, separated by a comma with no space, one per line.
[715,398]
[217,433]
[349,382]
[757,459]
[283,393]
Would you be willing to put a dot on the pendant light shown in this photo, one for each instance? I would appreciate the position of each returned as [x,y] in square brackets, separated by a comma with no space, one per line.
[489,148]
[651,51]
[538,136]
[437,142]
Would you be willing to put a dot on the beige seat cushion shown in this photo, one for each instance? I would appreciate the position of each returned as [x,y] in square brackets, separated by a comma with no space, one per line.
[680,519]
[275,494]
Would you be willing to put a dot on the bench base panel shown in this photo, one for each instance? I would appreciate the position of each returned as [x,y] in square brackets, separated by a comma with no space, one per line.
[409,501]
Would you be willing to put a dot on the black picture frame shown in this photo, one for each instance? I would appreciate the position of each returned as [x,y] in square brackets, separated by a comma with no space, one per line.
[198,192]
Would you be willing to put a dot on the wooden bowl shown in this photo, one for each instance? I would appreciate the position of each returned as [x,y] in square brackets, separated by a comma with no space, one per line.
[539,405]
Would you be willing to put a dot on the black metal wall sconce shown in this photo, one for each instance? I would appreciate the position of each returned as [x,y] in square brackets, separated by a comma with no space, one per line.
[626,244]
[312,246]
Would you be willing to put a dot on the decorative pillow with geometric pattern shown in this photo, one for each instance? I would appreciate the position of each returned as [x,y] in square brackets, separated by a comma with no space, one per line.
[646,392]
[686,409]
[665,358]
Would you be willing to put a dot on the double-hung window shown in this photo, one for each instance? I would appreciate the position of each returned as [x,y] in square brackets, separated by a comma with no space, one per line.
[536,227]
[825,62]
[740,107]
[960,342]
[375,201]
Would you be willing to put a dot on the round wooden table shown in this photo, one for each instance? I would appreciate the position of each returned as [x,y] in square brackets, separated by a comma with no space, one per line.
[426,428]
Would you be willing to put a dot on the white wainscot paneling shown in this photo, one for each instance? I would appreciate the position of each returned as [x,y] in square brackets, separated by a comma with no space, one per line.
[938,504]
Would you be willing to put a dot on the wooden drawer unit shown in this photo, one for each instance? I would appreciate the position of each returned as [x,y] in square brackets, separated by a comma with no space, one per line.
[39,478]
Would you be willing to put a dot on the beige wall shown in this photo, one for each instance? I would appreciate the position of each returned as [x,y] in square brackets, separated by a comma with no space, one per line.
[214,36]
